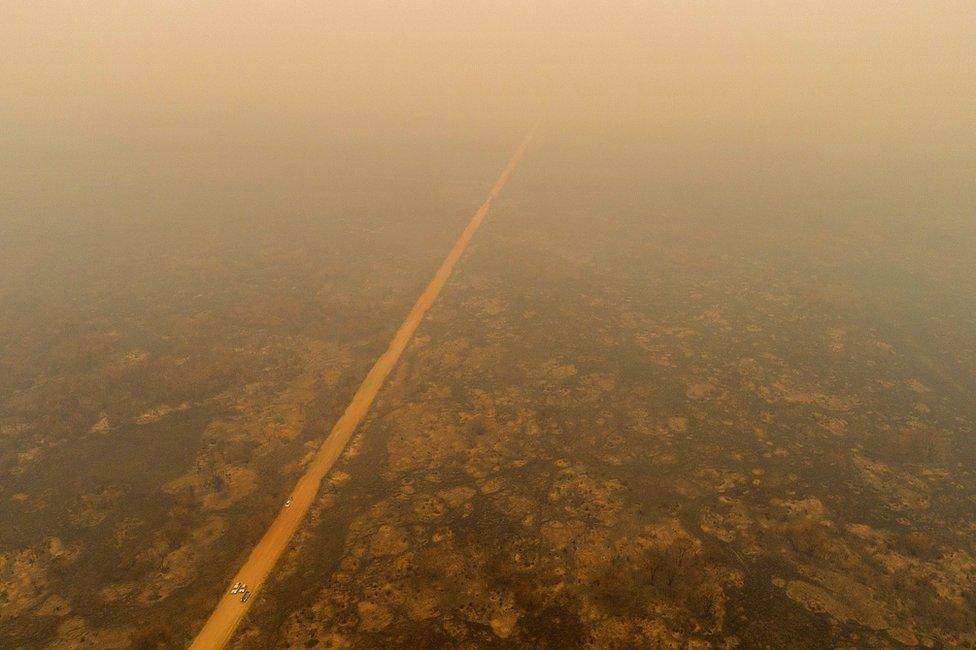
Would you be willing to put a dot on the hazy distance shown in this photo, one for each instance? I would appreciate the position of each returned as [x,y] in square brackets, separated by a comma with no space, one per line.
[720,325]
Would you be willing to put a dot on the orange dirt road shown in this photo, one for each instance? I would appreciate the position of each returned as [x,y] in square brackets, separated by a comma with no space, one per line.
[229,612]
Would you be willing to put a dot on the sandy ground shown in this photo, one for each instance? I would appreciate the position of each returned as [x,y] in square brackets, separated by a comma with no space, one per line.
[230,610]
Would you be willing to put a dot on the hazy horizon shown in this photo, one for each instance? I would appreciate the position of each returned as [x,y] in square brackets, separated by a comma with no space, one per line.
[703,376]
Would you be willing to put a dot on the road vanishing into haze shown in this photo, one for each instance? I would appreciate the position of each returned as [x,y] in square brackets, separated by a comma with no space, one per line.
[229,612]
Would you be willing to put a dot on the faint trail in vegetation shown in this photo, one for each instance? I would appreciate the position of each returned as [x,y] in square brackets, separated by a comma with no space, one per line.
[229,611]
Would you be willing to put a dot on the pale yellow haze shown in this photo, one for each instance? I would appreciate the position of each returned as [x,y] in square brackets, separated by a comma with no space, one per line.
[146,116]
[645,66]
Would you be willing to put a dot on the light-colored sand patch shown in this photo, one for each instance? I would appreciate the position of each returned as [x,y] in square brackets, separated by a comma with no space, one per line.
[23,575]
[841,598]
[678,424]
[180,565]
[918,386]
[76,634]
[55,605]
[157,413]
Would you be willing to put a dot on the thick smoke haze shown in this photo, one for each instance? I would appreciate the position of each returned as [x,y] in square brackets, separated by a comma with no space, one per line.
[160,115]
[818,69]
[118,112]
[698,372]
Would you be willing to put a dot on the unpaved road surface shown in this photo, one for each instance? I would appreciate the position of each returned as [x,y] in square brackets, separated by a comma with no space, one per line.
[230,610]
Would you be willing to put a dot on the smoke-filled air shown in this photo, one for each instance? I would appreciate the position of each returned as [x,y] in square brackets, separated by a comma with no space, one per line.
[488,324]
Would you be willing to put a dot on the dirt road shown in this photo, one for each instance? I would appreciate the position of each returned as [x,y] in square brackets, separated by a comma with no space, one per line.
[230,610]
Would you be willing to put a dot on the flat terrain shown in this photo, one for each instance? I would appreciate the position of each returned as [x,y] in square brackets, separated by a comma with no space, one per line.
[642,420]
[162,385]
[650,408]
[231,608]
